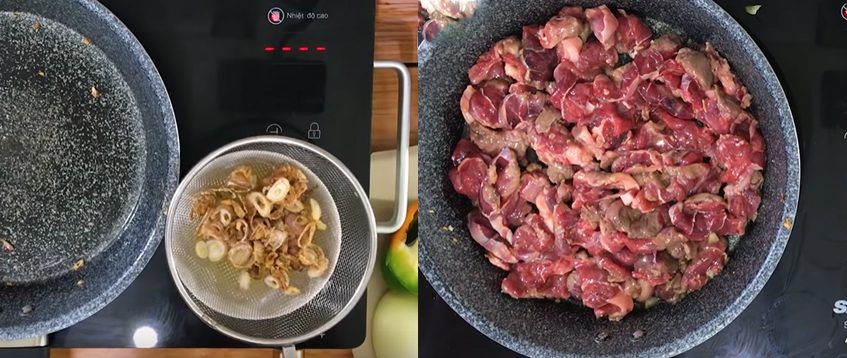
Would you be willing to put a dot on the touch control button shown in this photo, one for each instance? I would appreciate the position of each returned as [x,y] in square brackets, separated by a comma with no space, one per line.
[276,16]
[274,128]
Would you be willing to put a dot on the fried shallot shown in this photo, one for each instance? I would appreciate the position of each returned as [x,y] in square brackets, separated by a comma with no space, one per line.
[266,230]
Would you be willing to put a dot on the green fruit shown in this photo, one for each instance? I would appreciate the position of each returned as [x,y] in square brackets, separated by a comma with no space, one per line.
[400,268]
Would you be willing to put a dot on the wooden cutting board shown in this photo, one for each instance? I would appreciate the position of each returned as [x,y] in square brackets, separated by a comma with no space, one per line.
[396,40]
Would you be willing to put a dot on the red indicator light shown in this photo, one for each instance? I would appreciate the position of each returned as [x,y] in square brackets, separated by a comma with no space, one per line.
[303,49]
[320,48]
[286,49]
[269,49]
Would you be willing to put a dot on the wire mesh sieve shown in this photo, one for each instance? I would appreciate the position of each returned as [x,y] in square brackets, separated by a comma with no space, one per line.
[216,284]
[356,251]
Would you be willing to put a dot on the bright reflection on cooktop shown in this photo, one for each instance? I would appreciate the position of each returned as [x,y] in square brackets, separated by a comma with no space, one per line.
[145,337]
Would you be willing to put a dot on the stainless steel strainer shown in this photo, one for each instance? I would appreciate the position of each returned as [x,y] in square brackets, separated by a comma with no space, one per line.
[356,253]
[216,284]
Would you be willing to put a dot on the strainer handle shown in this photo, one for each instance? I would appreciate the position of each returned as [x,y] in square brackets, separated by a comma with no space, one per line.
[289,352]
[403,128]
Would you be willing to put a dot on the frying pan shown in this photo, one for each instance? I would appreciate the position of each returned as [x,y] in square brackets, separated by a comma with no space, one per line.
[89,161]
[454,264]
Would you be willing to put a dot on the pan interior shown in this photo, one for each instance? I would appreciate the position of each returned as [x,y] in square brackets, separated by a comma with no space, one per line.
[72,149]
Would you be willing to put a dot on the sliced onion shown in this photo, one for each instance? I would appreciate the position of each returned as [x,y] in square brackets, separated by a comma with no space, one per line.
[277,238]
[216,249]
[258,251]
[291,290]
[210,229]
[321,263]
[226,216]
[272,282]
[316,209]
[301,221]
[317,271]
[236,207]
[261,203]
[295,206]
[279,190]
[242,178]
[244,280]
[308,256]
[306,235]
[277,212]
[241,255]
[201,249]
[241,229]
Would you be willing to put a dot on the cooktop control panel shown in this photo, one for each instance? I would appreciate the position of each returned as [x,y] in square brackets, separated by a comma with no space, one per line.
[234,69]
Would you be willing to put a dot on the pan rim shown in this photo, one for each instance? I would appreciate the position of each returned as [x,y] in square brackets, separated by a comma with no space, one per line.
[678,345]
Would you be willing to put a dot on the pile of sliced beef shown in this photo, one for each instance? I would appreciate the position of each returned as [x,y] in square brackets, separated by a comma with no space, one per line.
[606,165]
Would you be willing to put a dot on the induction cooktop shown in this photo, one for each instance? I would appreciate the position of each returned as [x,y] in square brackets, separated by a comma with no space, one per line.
[234,69]
[802,311]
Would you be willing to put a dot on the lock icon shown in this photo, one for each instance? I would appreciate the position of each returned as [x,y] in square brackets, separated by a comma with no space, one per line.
[314,131]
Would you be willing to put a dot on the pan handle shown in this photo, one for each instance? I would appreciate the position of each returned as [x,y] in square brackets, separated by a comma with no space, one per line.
[289,352]
[403,128]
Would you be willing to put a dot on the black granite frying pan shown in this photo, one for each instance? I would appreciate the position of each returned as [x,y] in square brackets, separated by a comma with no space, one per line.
[88,161]
[455,265]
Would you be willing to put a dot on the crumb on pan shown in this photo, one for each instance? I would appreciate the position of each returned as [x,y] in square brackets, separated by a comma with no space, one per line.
[600,337]
[7,246]
[752,9]
[78,264]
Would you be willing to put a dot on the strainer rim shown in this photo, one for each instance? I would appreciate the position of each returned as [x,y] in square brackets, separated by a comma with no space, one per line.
[183,292]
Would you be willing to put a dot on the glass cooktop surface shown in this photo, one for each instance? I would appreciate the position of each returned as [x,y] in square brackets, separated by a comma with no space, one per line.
[234,69]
